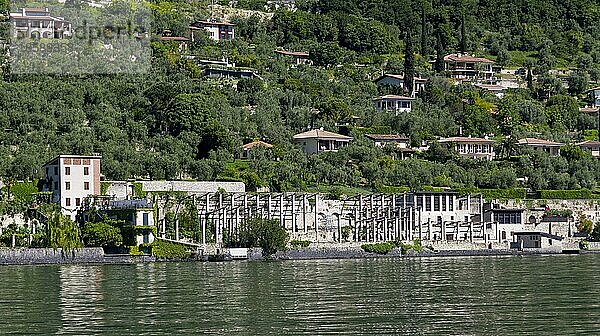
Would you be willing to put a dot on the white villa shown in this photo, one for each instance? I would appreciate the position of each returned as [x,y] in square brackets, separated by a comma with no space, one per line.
[218,31]
[71,178]
[474,148]
[465,66]
[38,23]
[591,146]
[398,80]
[399,104]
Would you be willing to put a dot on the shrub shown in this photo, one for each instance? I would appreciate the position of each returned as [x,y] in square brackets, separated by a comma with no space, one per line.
[379,248]
[300,243]
[585,225]
[134,250]
[104,187]
[101,234]
[167,250]
[267,234]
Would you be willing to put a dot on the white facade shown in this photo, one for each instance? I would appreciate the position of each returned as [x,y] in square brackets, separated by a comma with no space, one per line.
[473,148]
[464,66]
[399,104]
[398,80]
[316,141]
[38,23]
[71,178]
[550,147]
[590,146]
[218,31]
[440,207]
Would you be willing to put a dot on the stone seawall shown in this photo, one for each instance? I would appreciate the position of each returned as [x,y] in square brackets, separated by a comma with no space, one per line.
[25,256]
[332,253]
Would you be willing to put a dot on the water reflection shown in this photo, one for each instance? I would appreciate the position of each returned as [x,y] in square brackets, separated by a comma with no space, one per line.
[450,296]
[81,299]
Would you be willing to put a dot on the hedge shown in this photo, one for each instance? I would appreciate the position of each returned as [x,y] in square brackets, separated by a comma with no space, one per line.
[568,194]
[392,189]
[432,189]
[512,193]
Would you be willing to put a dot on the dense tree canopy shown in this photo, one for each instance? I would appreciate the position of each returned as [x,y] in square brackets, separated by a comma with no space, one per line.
[175,123]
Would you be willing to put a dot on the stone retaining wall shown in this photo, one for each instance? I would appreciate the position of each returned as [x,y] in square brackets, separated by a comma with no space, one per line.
[594,246]
[24,256]
[49,255]
[192,186]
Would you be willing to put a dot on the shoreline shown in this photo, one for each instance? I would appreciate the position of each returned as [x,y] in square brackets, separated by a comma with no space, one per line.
[17,257]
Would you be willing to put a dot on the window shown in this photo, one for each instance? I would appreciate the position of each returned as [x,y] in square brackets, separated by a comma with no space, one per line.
[68,201]
[444,207]
[436,202]
[67,185]
[55,185]
[145,219]
[67,170]
[428,203]
[86,185]
[55,170]
[86,170]
[47,171]
[78,201]
[451,203]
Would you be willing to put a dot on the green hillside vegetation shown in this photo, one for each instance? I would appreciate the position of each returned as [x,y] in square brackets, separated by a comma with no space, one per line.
[175,123]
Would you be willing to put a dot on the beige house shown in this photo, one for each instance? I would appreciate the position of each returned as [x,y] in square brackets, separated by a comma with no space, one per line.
[399,104]
[299,57]
[247,149]
[591,146]
[550,147]
[218,31]
[474,148]
[465,66]
[317,141]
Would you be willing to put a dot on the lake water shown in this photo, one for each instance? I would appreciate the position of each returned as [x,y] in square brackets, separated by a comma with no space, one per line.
[535,295]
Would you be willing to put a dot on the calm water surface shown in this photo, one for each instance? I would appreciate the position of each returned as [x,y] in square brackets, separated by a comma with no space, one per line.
[538,295]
